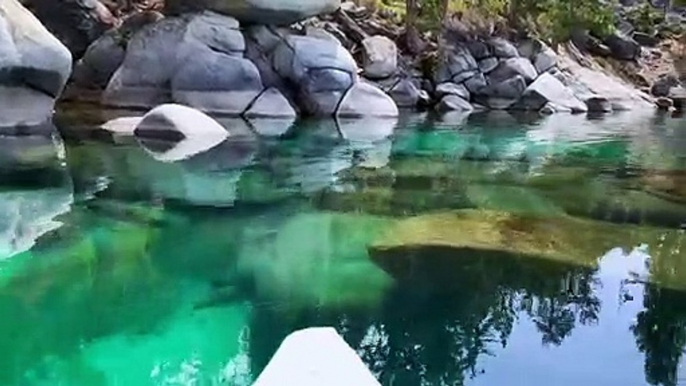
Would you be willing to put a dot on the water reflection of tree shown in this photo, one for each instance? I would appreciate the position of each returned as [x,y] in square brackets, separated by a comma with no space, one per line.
[660,332]
[556,314]
[434,332]
[660,329]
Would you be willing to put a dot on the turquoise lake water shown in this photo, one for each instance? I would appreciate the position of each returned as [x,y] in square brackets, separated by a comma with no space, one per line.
[124,263]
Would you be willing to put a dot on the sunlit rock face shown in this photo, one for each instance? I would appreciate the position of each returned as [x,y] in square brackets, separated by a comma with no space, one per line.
[34,67]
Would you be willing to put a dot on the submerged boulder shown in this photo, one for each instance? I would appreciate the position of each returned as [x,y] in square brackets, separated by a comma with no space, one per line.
[316,356]
[560,239]
[34,67]
[314,259]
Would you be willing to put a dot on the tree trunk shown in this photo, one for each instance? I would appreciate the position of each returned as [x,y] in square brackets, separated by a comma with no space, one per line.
[412,39]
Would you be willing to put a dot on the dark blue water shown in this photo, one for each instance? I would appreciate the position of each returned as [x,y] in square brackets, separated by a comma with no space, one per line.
[483,250]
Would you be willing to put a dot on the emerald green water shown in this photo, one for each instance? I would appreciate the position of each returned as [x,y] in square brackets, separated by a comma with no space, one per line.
[117,268]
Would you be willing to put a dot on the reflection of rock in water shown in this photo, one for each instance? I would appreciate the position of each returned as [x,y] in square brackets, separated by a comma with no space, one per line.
[32,160]
[27,215]
[202,175]
[33,164]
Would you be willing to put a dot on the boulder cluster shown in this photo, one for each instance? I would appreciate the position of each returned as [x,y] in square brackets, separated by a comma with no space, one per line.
[285,59]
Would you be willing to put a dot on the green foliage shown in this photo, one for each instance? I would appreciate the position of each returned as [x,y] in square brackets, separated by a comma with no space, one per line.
[553,20]
[645,17]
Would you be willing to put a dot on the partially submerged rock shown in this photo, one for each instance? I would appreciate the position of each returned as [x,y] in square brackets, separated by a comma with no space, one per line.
[177,122]
[316,356]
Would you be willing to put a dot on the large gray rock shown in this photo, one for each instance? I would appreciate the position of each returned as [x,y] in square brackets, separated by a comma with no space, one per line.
[488,64]
[663,85]
[272,104]
[502,95]
[457,65]
[547,89]
[587,83]
[34,67]
[406,94]
[152,58]
[260,43]
[104,56]
[622,46]
[453,103]
[365,100]
[321,70]
[380,56]
[449,88]
[542,56]
[512,67]
[476,83]
[316,356]
[76,23]
[503,48]
[196,59]
[279,12]
[216,83]
[177,122]
[479,49]
[598,105]
[545,60]
[100,62]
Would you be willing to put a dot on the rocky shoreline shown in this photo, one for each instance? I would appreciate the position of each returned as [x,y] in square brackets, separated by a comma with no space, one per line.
[316,58]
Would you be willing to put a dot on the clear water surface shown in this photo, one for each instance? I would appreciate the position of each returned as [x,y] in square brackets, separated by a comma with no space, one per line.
[483,250]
